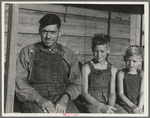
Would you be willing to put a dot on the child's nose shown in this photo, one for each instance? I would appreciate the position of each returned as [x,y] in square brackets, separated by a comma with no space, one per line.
[99,53]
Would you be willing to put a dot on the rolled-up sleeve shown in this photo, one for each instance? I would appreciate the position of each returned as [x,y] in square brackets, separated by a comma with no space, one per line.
[74,86]
[23,90]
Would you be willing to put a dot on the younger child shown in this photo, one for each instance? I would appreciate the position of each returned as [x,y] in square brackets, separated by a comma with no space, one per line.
[99,79]
[130,81]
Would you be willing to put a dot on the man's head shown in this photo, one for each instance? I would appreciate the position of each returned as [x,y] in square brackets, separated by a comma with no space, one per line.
[49,30]
[133,57]
[100,46]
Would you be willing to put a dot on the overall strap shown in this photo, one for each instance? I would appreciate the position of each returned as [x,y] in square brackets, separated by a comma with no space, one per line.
[90,65]
[109,65]
[34,51]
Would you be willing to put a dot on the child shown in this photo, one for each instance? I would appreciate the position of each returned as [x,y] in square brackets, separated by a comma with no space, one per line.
[99,79]
[130,81]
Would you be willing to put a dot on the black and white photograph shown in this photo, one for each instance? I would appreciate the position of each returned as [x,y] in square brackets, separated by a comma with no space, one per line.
[75,59]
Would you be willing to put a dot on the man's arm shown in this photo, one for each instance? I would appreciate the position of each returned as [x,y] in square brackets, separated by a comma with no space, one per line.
[23,90]
[74,85]
[112,93]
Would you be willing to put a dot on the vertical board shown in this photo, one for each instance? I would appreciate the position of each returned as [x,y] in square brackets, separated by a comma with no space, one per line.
[12,54]
[135,23]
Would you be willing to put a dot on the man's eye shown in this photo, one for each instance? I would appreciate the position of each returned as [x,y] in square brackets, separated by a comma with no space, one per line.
[44,32]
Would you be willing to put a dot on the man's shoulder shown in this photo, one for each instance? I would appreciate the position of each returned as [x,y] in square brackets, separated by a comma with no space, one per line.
[31,46]
[67,50]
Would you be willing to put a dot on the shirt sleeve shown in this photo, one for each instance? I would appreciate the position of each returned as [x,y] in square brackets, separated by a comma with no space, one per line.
[74,86]
[23,90]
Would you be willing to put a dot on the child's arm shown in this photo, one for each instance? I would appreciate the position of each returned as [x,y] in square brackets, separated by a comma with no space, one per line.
[120,77]
[112,93]
[104,108]
[141,95]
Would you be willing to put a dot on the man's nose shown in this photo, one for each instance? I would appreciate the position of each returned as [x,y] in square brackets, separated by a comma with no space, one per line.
[48,35]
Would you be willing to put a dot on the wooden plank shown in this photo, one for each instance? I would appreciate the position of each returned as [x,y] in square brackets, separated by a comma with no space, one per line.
[11,60]
[143,29]
[115,60]
[44,7]
[135,21]
[74,25]
[119,30]
[120,16]
[138,29]
[87,12]
[80,45]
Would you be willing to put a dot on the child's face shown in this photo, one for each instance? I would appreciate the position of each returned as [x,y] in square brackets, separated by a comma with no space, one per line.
[133,62]
[100,52]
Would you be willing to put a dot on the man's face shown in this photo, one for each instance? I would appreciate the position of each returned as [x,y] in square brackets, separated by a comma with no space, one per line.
[133,62]
[49,35]
[100,52]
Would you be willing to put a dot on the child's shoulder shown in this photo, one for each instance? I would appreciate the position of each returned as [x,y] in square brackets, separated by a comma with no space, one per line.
[114,68]
[120,73]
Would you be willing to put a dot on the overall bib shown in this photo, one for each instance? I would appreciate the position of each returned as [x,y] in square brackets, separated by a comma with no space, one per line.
[131,88]
[99,81]
[99,86]
[48,77]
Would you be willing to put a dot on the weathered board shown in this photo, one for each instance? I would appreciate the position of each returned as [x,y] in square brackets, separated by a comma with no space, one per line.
[80,45]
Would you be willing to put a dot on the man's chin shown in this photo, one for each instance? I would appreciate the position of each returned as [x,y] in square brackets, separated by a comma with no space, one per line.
[48,44]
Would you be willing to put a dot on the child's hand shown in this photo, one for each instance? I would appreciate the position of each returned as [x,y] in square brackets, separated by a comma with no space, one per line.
[137,110]
[107,109]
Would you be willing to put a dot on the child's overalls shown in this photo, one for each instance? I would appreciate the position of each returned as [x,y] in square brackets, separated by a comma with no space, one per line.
[48,77]
[99,85]
[131,88]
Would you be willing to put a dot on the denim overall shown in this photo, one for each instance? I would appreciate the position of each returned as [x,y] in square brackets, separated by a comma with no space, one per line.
[49,77]
[131,88]
[99,82]
[98,86]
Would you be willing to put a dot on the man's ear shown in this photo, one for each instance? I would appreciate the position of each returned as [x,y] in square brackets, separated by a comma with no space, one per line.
[108,50]
[124,58]
[39,31]
[59,33]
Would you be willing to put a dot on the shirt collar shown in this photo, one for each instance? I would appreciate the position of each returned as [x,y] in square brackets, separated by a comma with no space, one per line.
[58,48]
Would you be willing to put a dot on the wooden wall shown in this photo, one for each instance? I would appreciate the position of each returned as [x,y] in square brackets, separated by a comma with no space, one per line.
[78,27]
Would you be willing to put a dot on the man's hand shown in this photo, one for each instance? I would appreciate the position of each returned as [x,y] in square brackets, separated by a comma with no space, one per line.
[107,109]
[61,104]
[46,105]
[136,109]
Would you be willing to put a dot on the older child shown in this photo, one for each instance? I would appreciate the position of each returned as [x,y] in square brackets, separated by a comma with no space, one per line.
[130,81]
[99,79]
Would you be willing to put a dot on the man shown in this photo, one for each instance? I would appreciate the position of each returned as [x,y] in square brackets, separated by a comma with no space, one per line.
[48,76]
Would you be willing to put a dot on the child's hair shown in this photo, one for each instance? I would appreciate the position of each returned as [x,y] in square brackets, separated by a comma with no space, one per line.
[100,39]
[134,50]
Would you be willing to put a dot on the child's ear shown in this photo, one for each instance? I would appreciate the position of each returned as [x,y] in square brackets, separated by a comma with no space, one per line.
[141,60]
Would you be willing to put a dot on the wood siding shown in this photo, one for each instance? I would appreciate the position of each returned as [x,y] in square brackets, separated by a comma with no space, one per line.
[78,27]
